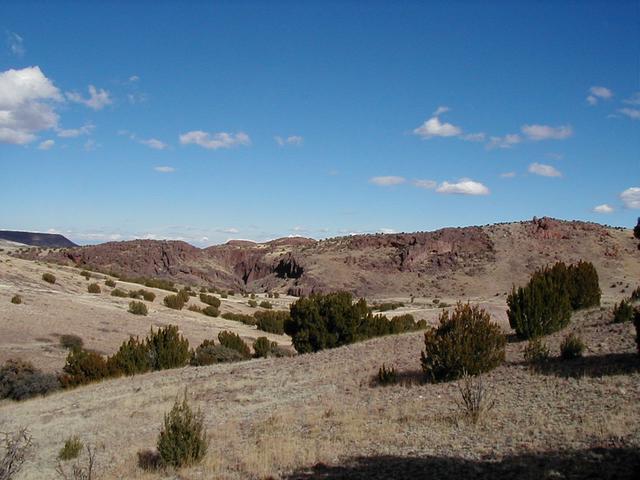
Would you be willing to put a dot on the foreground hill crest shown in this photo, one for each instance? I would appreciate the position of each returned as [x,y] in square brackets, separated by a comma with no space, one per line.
[452,261]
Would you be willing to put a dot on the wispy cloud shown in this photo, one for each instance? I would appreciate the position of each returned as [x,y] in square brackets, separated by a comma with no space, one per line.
[631,197]
[508,175]
[16,44]
[544,170]
[154,143]
[632,113]
[633,99]
[90,145]
[98,99]
[214,141]
[75,132]
[290,140]
[508,141]
[387,181]
[465,186]
[435,128]
[164,169]
[426,184]
[604,208]
[46,145]
[546,132]
[598,93]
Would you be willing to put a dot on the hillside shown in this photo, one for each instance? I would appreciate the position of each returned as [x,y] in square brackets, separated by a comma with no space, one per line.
[36,239]
[461,262]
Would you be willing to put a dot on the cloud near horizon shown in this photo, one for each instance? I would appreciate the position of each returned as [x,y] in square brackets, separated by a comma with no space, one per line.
[544,170]
[387,181]
[631,197]
[604,208]
[465,186]
[215,141]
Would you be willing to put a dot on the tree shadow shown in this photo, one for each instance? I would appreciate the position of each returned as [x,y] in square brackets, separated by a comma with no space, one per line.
[591,366]
[592,463]
[407,378]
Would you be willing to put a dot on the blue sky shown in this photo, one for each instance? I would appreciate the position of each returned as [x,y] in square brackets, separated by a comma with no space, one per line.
[216,120]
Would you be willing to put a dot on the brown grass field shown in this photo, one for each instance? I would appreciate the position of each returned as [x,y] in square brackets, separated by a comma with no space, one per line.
[320,416]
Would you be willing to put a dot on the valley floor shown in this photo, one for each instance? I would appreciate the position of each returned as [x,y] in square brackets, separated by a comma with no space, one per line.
[318,416]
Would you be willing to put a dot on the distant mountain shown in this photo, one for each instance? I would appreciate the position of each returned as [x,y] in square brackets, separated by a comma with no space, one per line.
[48,240]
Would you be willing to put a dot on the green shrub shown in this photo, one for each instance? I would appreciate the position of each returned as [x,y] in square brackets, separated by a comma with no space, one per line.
[93,288]
[20,380]
[210,300]
[542,306]
[137,308]
[85,274]
[174,301]
[233,341]
[266,304]
[223,295]
[110,283]
[252,296]
[72,448]
[70,341]
[536,352]
[183,440]
[167,348]
[117,292]
[387,376]
[147,295]
[231,293]
[158,283]
[571,347]
[635,295]
[132,358]
[239,317]
[208,353]
[211,311]
[49,277]
[83,367]
[271,321]
[194,308]
[465,341]
[262,347]
[252,303]
[17,299]
[622,312]
[385,307]
[183,295]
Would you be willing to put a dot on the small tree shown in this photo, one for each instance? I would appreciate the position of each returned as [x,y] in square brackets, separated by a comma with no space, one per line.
[210,300]
[132,358]
[262,347]
[465,342]
[167,348]
[93,288]
[138,308]
[571,347]
[233,341]
[49,277]
[183,440]
[175,301]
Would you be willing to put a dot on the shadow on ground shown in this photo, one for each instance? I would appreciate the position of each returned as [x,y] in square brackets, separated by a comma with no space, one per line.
[594,463]
[592,366]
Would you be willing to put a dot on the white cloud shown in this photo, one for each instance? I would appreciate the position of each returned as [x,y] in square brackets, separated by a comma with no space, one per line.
[134,78]
[426,184]
[216,140]
[164,169]
[75,132]
[632,113]
[435,128]
[508,175]
[544,170]
[154,143]
[465,186]
[16,44]
[290,140]
[634,99]
[598,93]
[23,107]
[388,230]
[46,145]
[98,99]
[387,181]
[604,208]
[554,156]
[545,132]
[508,141]
[231,230]
[631,197]
[441,110]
